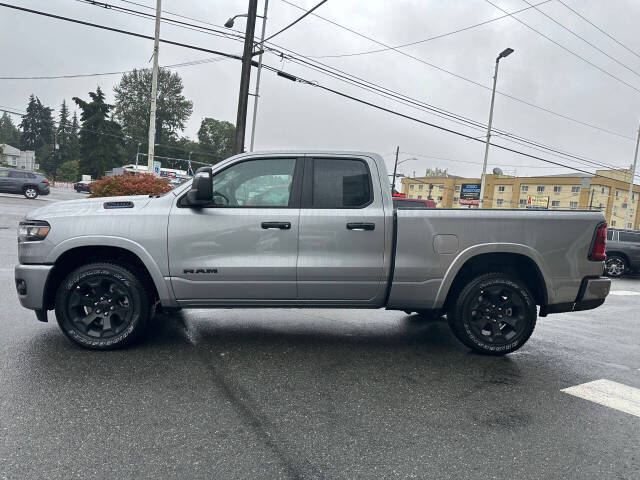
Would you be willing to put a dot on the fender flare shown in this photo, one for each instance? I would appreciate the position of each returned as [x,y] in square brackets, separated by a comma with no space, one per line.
[475,250]
[164,292]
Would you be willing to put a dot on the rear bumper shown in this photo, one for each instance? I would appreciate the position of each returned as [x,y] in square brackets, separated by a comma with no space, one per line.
[593,292]
[31,281]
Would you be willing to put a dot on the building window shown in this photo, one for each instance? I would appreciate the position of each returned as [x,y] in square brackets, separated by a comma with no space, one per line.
[573,204]
[557,189]
[540,188]
[523,201]
[457,188]
[411,186]
[601,206]
[420,187]
[613,223]
[604,190]
[440,187]
[499,201]
[629,225]
[624,205]
[617,193]
[501,188]
[524,188]
[575,189]
[419,197]
[440,198]
[555,203]
[455,199]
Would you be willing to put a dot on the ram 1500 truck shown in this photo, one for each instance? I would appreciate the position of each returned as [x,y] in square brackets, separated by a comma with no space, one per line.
[304,229]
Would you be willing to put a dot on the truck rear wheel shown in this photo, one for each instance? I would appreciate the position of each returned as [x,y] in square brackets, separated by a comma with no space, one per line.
[494,314]
[102,306]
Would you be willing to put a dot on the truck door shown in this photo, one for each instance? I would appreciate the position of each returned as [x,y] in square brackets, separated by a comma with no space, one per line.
[244,245]
[342,231]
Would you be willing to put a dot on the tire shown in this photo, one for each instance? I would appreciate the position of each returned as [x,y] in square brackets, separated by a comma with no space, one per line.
[103,306]
[502,297]
[615,266]
[30,192]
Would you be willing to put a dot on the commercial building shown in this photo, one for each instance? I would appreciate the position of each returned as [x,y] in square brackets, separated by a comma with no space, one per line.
[607,190]
[16,158]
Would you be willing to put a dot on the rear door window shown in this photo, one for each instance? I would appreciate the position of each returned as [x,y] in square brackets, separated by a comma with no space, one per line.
[629,237]
[14,174]
[341,183]
[409,204]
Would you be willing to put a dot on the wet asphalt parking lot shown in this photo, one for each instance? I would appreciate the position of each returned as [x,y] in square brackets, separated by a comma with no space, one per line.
[314,394]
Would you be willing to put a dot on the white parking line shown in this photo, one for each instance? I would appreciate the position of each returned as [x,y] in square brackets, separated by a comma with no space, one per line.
[623,292]
[610,394]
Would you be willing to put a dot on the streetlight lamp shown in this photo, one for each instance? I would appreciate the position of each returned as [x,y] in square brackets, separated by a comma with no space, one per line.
[229,24]
[505,53]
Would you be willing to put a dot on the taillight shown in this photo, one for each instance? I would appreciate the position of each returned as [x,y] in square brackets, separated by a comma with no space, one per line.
[45,181]
[598,250]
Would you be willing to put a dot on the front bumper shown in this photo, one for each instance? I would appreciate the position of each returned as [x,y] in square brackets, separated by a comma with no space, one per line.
[31,281]
[593,292]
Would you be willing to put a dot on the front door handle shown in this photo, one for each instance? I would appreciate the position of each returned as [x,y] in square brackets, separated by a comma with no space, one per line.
[276,225]
[361,226]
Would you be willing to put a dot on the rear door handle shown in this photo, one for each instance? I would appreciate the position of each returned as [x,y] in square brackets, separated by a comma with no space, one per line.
[361,226]
[276,225]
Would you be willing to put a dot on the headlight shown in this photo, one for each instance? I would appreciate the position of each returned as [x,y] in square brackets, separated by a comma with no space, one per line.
[31,230]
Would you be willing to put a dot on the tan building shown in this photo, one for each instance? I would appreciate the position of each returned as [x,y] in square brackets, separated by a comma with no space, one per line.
[607,190]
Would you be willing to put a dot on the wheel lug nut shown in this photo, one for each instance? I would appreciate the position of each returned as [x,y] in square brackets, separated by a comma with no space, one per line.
[98,311]
[113,308]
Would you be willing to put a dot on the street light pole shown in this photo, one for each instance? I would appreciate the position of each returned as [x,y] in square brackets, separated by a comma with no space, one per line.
[257,94]
[395,169]
[154,90]
[505,53]
[245,77]
[633,174]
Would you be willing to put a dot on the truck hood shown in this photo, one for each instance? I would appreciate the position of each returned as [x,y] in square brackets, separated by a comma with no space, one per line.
[87,206]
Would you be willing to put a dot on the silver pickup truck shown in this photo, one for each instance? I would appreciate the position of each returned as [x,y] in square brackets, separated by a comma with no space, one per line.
[304,229]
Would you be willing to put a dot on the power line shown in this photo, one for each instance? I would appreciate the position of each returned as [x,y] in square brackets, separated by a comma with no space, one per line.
[296,20]
[606,72]
[342,94]
[473,82]
[599,29]
[417,42]
[582,38]
[416,104]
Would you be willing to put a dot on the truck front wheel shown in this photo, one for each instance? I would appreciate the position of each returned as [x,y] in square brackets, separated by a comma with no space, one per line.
[494,314]
[102,306]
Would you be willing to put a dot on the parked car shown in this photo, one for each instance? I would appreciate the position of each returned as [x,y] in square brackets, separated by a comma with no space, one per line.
[83,186]
[403,202]
[29,184]
[623,252]
[105,265]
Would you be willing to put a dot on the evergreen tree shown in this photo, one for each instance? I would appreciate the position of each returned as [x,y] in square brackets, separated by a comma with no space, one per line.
[63,137]
[74,141]
[9,133]
[38,134]
[29,125]
[100,137]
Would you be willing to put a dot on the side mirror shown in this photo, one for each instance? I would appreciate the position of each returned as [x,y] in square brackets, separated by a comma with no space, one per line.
[201,192]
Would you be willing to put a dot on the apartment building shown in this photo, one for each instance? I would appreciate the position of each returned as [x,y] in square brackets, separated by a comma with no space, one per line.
[607,190]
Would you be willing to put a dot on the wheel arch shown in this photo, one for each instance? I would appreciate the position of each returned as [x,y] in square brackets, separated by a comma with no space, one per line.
[517,260]
[82,250]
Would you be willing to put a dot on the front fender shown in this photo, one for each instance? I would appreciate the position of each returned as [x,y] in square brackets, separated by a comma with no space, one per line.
[476,250]
[165,292]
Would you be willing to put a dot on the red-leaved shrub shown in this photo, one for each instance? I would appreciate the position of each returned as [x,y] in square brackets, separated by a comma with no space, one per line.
[142,184]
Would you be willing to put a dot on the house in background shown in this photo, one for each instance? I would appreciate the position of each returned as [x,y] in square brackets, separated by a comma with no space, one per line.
[16,158]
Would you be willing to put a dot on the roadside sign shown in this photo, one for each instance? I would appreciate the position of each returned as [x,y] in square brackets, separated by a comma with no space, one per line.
[470,194]
[156,168]
[537,202]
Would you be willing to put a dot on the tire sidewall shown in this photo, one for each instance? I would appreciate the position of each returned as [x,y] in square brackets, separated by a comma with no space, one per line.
[138,298]
[460,322]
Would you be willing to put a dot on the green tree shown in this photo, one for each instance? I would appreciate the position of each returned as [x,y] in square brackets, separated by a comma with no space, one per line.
[216,137]
[74,140]
[9,133]
[69,171]
[38,134]
[132,108]
[100,137]
[63,134]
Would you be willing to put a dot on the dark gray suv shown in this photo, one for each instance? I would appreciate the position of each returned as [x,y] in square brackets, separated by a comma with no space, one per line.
[29,184]
[623,252]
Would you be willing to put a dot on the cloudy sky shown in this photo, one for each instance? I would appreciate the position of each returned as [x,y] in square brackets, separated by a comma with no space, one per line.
[294,115]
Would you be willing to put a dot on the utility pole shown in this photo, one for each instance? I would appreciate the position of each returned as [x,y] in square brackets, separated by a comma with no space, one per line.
[505,53]
[154,90]
[395,169]
[257,94]
[245,77]
[633,174]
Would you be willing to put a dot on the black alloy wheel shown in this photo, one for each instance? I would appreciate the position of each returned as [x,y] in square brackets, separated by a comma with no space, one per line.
[493,314]
[102,306]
